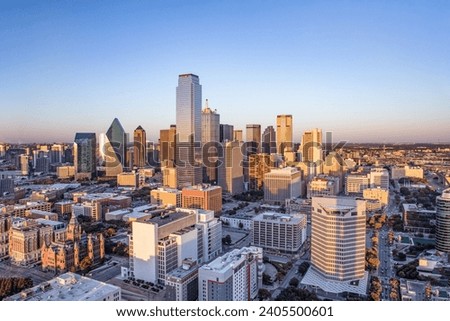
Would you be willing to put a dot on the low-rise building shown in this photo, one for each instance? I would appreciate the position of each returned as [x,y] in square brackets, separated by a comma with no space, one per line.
[70,287]
[323,185]
[203,196]
[282,184]
[166,196]
[418,220]
[380,194]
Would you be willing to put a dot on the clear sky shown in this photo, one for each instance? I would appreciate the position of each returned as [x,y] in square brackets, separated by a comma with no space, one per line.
[368,71]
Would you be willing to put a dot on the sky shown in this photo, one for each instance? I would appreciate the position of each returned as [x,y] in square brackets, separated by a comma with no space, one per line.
[366,71]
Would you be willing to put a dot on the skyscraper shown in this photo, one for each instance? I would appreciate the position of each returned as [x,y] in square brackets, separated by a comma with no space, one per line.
[284,133]
[443,222]
[338,237]
[187,154]
[84,149]
[253,134]
[269,141]
[167,142]
[230,174]
[140,147]
[311,149]
[210,143]
[226,132]
[115,149]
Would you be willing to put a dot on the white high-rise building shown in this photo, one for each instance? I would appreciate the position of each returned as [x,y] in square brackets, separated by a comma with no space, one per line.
[338,237]
[443,222]
[189,122]
[160,244]
[235,276]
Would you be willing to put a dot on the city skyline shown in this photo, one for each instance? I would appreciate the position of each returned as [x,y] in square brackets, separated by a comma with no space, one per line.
[371,72]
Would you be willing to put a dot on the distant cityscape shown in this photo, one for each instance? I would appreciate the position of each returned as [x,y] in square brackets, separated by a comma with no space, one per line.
[207,213]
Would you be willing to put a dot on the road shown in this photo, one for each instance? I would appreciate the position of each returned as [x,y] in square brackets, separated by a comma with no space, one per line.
[38,276]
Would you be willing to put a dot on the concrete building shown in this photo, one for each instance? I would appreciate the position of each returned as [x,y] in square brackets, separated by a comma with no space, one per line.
[203,196]
[167,145]
[160,244]
[338,237]
[64,207]
[380,194]
[356,183]
[237,135]
[414,171]
[379,177]
[35,214]
[238,221]
[128,180]
[235,276]
[5,226]
[166,196]
[230,173]
[285,130]
[443,222]
[25,241]
[65,172]
[311,152]
[398,172]
[182,283]
[70,287]
[279,232]
[20,210]
[258,166]
[418,220]
[282,184]
[169,176]
[323,185]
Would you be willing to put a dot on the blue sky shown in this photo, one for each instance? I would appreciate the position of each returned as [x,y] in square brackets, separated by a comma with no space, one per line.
[368,71]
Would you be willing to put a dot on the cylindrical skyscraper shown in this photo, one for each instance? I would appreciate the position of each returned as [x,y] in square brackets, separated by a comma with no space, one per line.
[443,222]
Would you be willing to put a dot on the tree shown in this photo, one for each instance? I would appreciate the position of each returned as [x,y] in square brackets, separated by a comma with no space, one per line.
[85,263]
[296,294]
[226,240]
[294,282]
[241,225]
[267,280]
[264,294]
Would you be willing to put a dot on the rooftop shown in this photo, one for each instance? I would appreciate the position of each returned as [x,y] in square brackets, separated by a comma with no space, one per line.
[446,194]
[168,218]
[67,287]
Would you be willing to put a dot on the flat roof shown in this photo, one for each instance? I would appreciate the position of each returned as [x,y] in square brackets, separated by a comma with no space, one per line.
[67,287]
[169,218]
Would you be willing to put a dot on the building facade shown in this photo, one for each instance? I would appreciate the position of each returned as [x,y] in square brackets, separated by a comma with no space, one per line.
[279,232]
[189,122]
[443,222]
[235,276]
[338,237]
[282,184]
[284,137]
